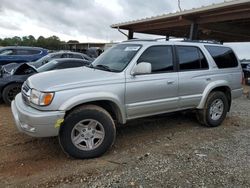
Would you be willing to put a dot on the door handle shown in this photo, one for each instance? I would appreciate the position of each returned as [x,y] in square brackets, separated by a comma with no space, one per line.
[170,82]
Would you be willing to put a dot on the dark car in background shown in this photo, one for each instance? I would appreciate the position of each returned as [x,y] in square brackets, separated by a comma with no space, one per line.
[11,83]
[49,57]
[245,64]
[20,54]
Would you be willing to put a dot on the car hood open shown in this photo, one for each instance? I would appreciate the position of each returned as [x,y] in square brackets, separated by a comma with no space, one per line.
[72,78]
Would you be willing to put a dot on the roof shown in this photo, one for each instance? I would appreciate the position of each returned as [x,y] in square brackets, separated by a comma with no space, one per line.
[228,21]
[148,42]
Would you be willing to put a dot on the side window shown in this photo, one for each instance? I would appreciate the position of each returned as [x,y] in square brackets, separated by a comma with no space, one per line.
[160,57]
[77,56]
[7,52]
[35,52]
[58,56]
[224,57]
[27,52]
[23,52]
[68,64]
[191,58]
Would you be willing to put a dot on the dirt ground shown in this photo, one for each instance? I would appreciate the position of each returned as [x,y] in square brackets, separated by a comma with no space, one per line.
[163,151]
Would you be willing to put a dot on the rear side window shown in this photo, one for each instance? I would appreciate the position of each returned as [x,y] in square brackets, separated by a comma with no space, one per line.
[224,57]
[160,57]
[191,58]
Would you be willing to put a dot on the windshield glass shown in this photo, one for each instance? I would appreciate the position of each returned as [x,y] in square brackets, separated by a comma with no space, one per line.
[49,66]
[41,61]
[116,58]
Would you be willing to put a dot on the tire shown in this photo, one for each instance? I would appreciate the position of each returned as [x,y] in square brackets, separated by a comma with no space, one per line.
[87,132]
[10,92]
[212,116]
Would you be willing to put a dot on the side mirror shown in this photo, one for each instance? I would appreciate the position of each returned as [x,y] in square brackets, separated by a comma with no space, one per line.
[142,68]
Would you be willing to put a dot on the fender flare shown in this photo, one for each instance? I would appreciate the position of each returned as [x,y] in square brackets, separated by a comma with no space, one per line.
[94,97]
[211,86]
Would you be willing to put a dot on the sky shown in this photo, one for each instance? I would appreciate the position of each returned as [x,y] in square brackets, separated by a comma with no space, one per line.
[84,20]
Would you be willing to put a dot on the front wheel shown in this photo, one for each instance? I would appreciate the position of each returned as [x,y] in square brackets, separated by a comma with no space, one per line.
[10,92]
[215,110]
[87,132]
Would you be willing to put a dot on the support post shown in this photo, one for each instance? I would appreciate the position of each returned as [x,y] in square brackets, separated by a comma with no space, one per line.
[130,34]
[167,37]
[193,35]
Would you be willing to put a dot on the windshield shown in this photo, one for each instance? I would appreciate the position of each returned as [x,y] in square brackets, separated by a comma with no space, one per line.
[49,66]
[116,58]
[41,61]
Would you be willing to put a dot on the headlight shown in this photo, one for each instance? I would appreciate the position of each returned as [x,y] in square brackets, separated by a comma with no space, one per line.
[41,98]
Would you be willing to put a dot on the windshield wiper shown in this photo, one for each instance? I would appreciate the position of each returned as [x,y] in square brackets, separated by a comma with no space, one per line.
[105,67]
[90,66]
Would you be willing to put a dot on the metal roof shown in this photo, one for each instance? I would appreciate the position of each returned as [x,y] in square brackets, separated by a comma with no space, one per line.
[227,21]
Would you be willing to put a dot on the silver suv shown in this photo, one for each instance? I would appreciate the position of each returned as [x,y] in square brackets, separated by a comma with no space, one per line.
[133,79]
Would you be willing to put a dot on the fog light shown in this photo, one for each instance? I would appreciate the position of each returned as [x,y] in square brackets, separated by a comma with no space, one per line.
[28,128]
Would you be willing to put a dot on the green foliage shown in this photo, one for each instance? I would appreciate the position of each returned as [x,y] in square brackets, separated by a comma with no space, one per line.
[51,43]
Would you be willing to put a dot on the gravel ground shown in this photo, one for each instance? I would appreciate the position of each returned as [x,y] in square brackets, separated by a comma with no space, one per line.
[163,151]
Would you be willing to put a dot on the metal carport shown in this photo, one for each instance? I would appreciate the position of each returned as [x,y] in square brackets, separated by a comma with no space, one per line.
[225,22]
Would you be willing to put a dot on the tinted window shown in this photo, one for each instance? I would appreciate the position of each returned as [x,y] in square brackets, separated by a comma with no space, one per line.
[224,57]
[68,64]
[160,57]
[33,52]
[66,56]
[7,52]
[23,52]
[58,56]
[191,58]
[77,56]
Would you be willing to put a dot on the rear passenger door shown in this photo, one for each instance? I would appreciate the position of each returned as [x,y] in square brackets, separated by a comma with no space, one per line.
[157,92]
[193,75]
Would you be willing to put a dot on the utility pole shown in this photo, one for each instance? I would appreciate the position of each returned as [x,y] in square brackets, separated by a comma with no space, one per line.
[179,5]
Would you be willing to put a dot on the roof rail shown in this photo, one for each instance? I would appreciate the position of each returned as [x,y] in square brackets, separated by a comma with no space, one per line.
[203,41]
[140,40]
[181,40]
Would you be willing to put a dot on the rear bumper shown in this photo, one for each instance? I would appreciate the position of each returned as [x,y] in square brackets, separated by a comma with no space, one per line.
[34,122]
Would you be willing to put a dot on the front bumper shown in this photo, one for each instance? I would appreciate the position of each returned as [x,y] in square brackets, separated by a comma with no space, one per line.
[34,122]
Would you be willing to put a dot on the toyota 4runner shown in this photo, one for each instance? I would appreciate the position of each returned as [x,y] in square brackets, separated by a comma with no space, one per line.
[133,79]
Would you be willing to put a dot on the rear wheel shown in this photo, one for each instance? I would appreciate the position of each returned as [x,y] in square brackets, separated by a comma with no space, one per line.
[10,92]
[87,132]
[215,110]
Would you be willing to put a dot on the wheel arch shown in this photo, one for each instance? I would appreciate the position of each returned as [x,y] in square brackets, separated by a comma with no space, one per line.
[9,83]
[110,106]
[222,86]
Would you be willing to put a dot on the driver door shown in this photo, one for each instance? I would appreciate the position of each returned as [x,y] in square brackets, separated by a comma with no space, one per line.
[153,93]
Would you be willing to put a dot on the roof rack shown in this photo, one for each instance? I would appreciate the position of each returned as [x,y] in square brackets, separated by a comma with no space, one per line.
[180,40]
[203,41]
[140,40]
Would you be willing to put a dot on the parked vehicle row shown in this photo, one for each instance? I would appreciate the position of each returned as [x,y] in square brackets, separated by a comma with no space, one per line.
[12,75]
[246,69]
[20,54]
[131,80]
[47,58]
[11,83]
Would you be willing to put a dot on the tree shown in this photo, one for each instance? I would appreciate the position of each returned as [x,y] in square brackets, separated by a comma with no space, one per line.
[51,43]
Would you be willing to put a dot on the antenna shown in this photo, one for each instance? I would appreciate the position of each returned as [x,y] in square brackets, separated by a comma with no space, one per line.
[179,5]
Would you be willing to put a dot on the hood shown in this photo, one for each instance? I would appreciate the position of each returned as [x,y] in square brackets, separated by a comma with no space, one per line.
[72,78]
[7,69]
